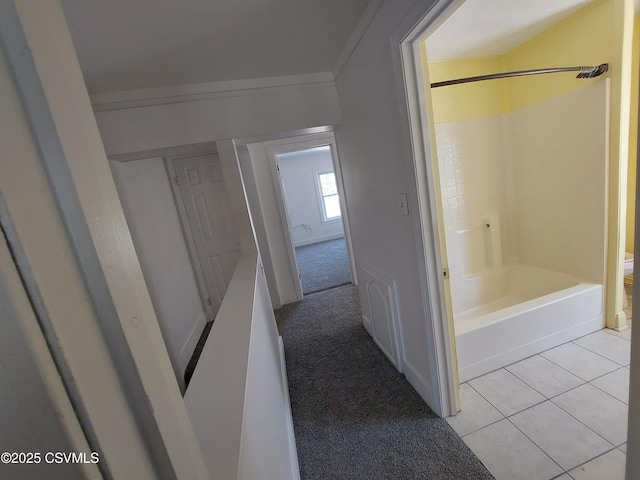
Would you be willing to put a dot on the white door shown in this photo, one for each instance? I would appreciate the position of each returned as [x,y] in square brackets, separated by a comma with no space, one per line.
[210,221]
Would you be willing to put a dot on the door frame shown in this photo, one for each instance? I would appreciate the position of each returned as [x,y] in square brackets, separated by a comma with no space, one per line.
[189,241]
[168,154]
[296,144]
[418,24]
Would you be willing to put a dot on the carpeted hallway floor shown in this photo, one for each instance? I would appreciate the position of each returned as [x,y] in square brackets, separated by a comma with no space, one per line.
[323,265]
[355,416]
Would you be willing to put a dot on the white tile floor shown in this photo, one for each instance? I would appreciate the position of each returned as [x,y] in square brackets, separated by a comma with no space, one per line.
[558,415]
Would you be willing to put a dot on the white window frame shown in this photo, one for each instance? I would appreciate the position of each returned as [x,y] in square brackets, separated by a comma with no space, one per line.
[321,196]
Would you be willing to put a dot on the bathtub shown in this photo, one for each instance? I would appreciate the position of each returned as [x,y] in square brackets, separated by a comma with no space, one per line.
[538,309]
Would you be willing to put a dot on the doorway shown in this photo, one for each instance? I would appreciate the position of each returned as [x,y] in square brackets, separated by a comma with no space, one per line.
[422,145]
[207,222]
[521,168]
[279,231]
[177,205]
[312,205]
[150,209]
[488,258]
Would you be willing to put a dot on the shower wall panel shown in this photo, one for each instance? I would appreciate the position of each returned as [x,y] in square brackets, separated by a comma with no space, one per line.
[471,158]
[559,163]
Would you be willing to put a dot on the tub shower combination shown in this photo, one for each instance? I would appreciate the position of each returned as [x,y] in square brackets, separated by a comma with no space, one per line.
[524,207]
[511,312]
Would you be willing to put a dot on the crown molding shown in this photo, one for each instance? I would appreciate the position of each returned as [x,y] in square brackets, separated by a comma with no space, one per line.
[367,17]
[204,91]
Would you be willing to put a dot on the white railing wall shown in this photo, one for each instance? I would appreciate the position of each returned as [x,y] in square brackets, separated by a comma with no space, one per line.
[238,398]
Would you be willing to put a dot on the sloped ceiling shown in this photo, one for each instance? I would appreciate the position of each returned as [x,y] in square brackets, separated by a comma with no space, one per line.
[481,28]
[132,44]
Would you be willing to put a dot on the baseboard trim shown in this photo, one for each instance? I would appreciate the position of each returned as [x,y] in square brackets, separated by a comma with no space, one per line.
[418,382]
[192,340]
[366,322]
[324,238]
[368,327]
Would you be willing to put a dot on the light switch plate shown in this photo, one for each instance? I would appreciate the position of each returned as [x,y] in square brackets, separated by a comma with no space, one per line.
[402,204]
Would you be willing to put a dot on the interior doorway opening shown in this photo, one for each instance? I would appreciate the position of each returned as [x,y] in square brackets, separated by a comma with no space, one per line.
[312,204]
[295,192]
[518,158]
[422,145]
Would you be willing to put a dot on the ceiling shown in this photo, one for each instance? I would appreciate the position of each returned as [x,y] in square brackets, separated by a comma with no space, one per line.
[481,28]
[132,44]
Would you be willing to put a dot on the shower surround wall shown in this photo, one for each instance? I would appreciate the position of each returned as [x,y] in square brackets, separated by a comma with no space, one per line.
[560,151]
[473,178]
[524,199]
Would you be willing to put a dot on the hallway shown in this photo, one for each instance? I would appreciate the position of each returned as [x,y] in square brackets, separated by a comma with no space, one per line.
[354,415]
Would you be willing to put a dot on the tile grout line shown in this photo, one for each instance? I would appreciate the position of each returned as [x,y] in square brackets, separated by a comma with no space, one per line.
[613,446]
[593,458]
[550,399]
[561,475]
[539,447]
[610,332]
[534,388]
[597,353]
[604,391]
[576,375]
[584,382]
[583,424]
[515,426]
[492,405]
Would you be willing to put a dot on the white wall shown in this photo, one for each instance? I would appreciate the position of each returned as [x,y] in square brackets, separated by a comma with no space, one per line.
[60,117]
[151,214]
[36,414]
[154,120]
[268,443]
[230,163]
[237,113]
[267,204]
[258,168]
[298,173]
[258,221]
[237,397]
[31,205]
[371,144]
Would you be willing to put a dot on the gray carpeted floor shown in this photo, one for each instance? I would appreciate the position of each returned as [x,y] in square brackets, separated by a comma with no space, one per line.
[323,265]
[355,417]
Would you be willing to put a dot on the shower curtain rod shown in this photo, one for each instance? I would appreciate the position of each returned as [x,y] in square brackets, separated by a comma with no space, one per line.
[585,72]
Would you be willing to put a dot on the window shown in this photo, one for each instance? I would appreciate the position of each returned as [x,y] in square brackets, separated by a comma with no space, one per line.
[330,201]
